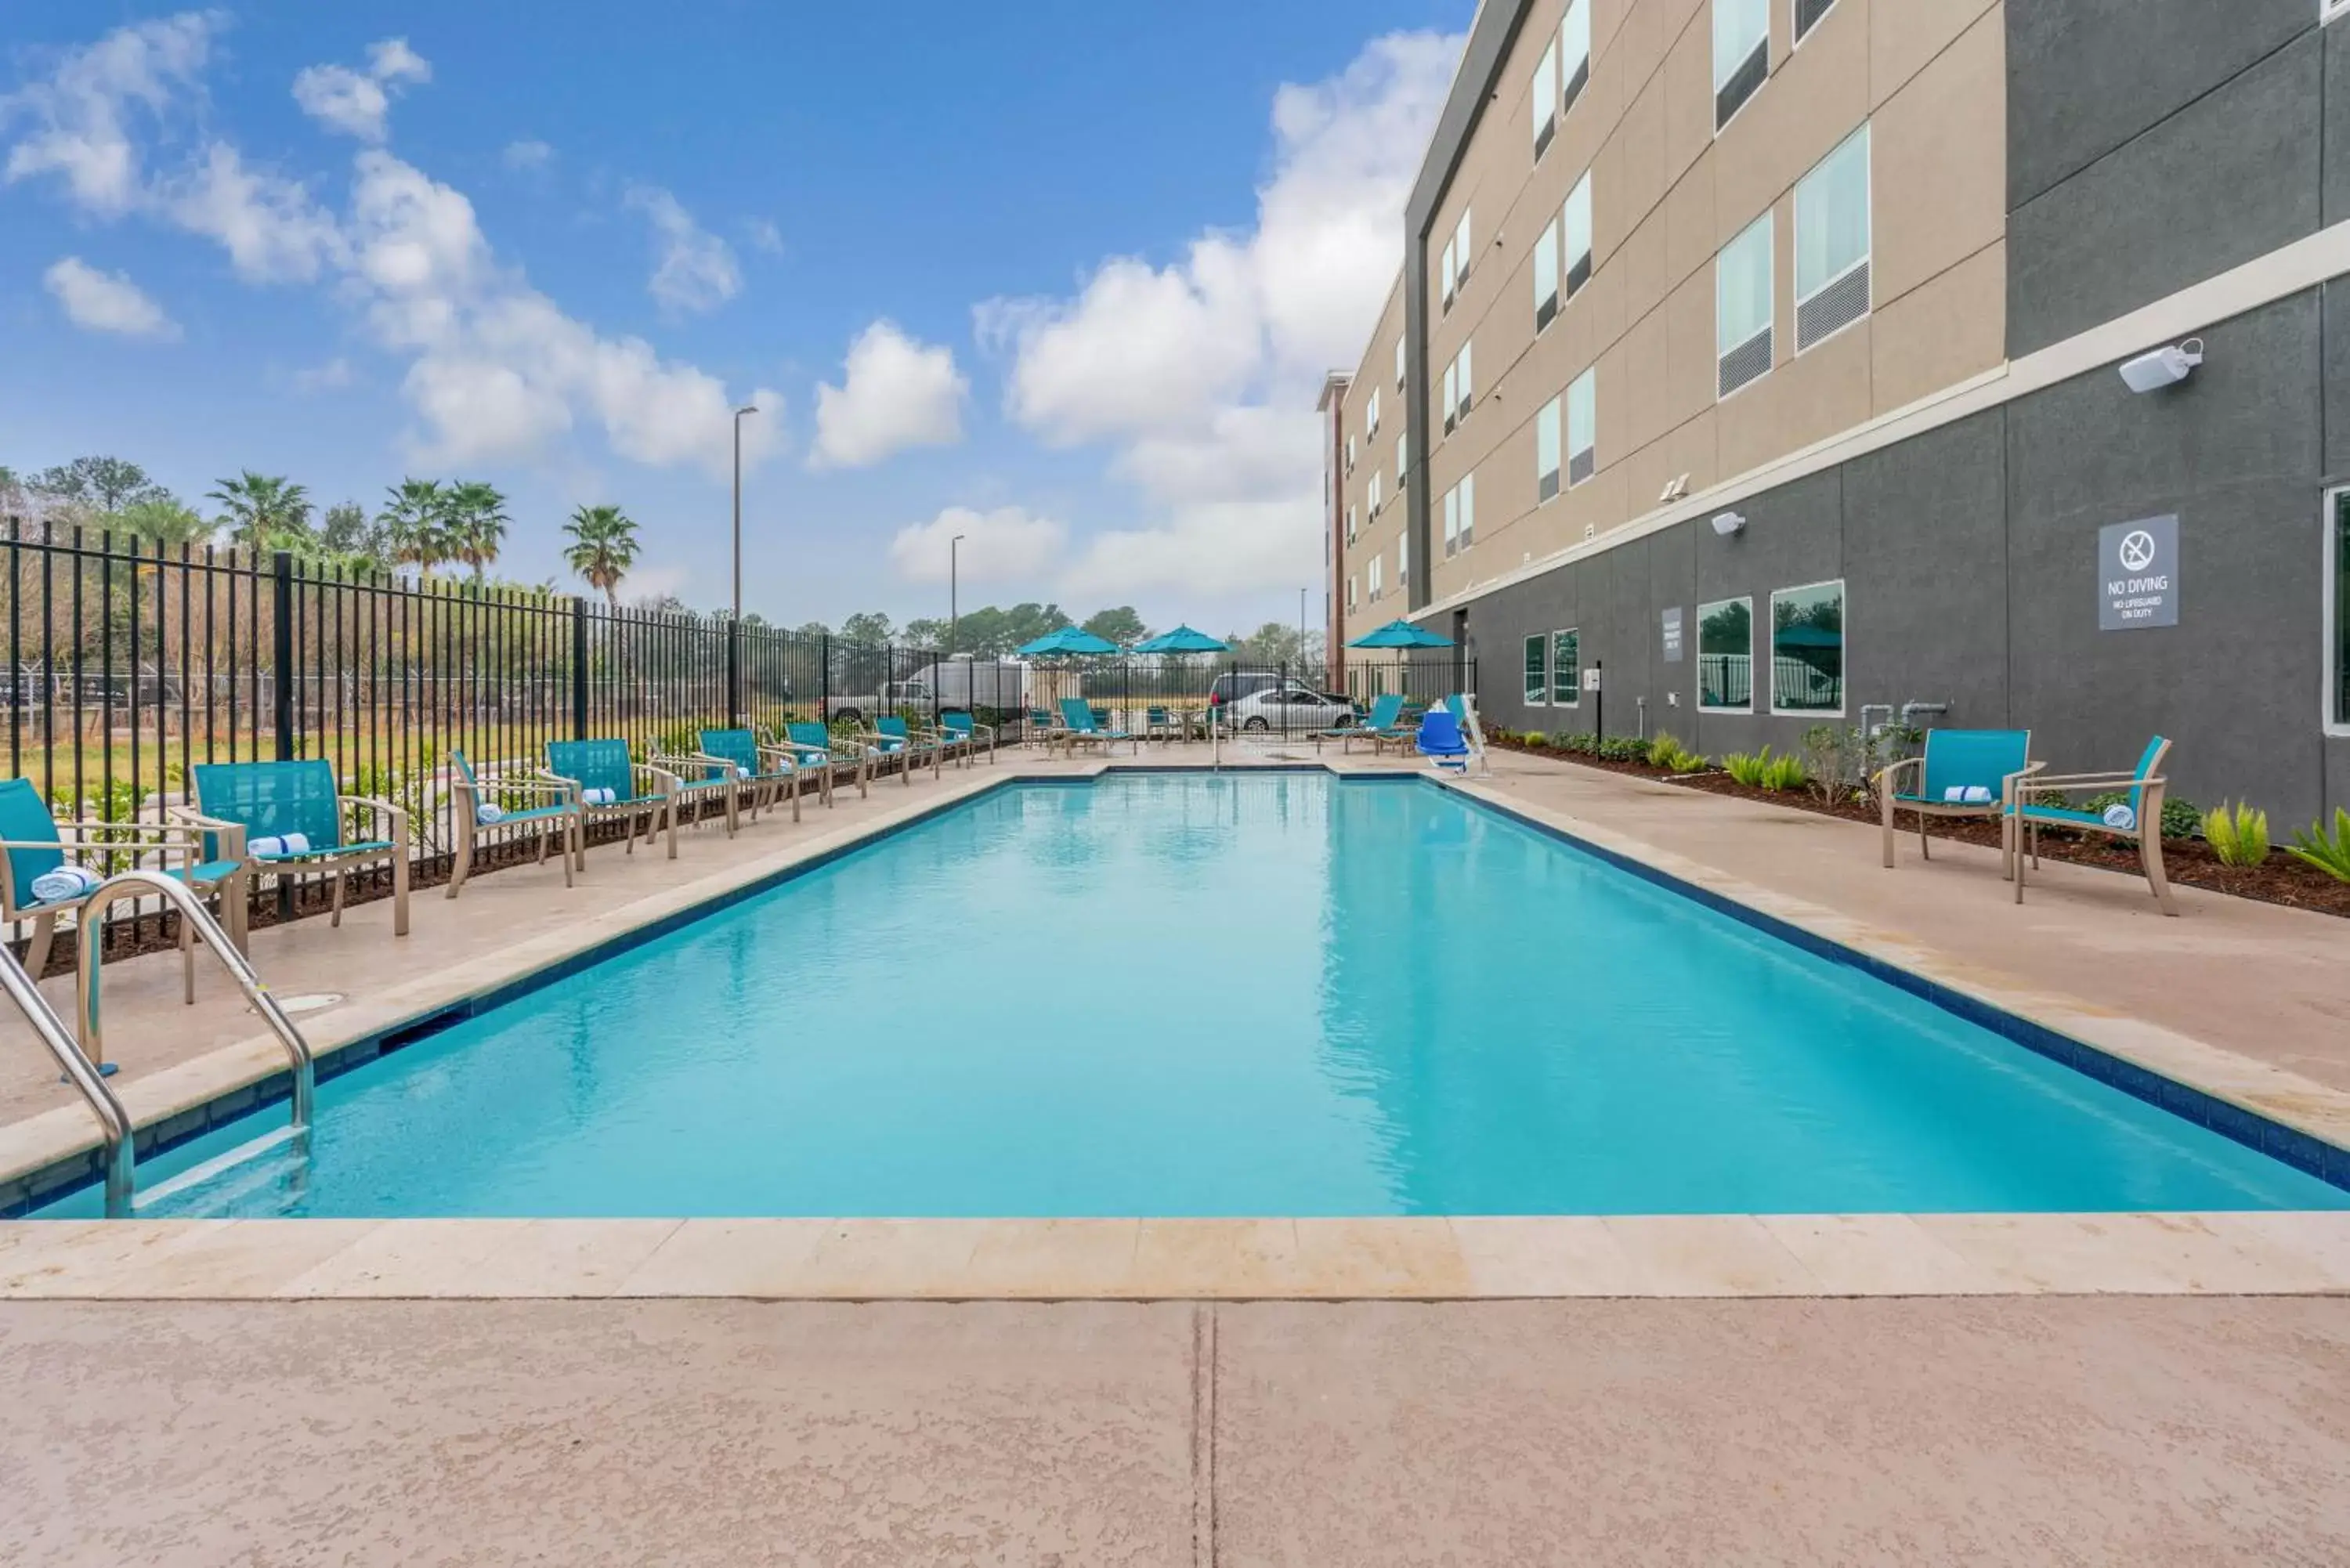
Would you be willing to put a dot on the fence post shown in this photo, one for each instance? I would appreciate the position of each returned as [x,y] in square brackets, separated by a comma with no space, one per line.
[282,655]
[733,674]
[578,669]
[824,681]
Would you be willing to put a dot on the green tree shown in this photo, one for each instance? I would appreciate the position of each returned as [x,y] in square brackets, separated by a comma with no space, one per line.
[603,548]
[414,524]
[928,632]
[812,628]
[1120,625]
[869,628]
[1277,643]
[261,509]
[161,520]
[101,484]
[476,525]
[346,530]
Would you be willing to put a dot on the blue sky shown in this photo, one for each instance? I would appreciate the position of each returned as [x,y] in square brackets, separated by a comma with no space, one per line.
[1070,273]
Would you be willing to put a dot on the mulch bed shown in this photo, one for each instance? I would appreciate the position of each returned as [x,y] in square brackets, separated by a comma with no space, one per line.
[2281,880]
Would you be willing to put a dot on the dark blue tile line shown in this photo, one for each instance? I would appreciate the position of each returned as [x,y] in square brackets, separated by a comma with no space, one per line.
[2304,1151]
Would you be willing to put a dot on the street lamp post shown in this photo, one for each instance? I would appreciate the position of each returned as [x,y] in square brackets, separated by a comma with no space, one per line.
[1301,628]
[735,627]
[952,604]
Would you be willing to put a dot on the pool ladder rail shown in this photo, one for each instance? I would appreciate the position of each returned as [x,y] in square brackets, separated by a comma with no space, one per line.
[80,1059]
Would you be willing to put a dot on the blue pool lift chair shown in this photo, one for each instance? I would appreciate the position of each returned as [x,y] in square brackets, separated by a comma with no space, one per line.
[1439,740]
[2138,816]
[256,809]
[491,803]
[1962,773]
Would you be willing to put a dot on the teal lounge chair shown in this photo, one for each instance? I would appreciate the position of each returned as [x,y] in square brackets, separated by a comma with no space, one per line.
[761,772]
[1044,730]
[1381,721]
[701,779]
[558,816]
[1963,773]
[816,746]
[2143,791]
[897,738]
[965,730]
[33,844]
[614,786]
[1078,719]
[258,805]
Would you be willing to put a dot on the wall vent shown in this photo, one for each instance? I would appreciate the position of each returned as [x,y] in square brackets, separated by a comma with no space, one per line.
[1834,308]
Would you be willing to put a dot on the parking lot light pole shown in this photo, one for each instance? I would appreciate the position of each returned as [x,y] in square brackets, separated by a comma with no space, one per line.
[953,546]
[735,627]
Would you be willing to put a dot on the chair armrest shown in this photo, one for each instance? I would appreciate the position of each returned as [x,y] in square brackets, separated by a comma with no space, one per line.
[232,834]
[532,785]
[395,814]
[663,781]
[1885,774]
[677,762]
[2039,783]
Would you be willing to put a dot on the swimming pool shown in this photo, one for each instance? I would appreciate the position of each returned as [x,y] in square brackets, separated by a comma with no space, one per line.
[1185,994]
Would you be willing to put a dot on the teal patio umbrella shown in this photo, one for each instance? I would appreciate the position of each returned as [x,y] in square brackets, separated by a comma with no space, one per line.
[1401,634]
[1068,640]
[1183,640]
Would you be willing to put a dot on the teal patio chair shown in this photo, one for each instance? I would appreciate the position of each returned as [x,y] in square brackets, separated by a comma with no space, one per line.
[612,786]
[1079,726]
[1044,729]
[815,745]
[33,844]
[702,778]
[288,817]
[1381,721]
[895,737]
[762,772]
[1961,773]
[2138,816]
[486,804]
[965,730]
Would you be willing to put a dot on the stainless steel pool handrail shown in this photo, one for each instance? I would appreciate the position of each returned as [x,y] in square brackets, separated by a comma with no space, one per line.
[113,1121]
[89,963]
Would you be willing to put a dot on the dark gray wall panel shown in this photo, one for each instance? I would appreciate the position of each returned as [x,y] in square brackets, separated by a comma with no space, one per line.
[1672,580]
[2335,298]
[2085,75]
[2230,177]
[1925,552]
[2337,124]
[2337,787]
[2234,452]
[1794,535]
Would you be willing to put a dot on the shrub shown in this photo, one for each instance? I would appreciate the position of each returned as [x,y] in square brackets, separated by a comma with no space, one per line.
[2238,834]
[1746,768]
[1840,759]
[1784,772]
[2330,852]
[1668,753]
[1623,749]
[1534,738]
[1761,770]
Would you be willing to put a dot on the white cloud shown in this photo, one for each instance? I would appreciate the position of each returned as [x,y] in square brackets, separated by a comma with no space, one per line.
[106,301]
[695,270]
[1007,546]
[81,113]
[1204,371]
[897,393]
[494,368]
[764,236]
[528,154]
[358,103]
[332,376]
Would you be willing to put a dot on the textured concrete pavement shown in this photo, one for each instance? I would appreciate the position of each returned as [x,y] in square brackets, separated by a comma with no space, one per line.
[2144,1431]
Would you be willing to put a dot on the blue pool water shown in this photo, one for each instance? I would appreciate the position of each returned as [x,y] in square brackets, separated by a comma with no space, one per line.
[1168,994]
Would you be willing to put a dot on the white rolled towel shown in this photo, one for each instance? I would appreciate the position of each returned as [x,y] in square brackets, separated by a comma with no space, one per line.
[741,774]
[273,848]
[1978,794]
[2120,815]
[597,797]
[65,882]
[1955,793]
[488,812]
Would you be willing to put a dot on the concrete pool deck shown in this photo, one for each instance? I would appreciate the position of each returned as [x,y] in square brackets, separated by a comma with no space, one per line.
[2085,959]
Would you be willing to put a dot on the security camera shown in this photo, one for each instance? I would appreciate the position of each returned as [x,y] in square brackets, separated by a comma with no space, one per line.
[1675,488]
[2162,368]
[1728,525]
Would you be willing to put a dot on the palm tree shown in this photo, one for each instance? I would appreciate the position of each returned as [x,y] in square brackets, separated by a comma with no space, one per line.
[412,523]
[477,524]
[603,548]
[257,507]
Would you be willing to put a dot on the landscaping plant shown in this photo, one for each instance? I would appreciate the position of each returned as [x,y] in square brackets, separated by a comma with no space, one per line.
[2330,852]
[1534,738]
[1668,753]
[2238,834]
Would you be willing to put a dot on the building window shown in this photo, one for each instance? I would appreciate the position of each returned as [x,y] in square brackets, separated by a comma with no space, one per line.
[2327,10]
[1457,392]
[1452,521]
[1468,510]
[1582,427]
[1456,259]
[1403,454]
[1373,498]
[1742,343]
[1807,649]
[2337,597]
[1543,101]
[1461,515]
[1403,561]
[1371,415]
[1350,592]
[1546,276]
[1546,452]
[1566,668]
[1808,13]
[1577,218]
[1832,232]
[1725,657]
[1399,364]
[1350,454]
[1538,671]
[1742,53]
[1379,567]
[1575,56]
